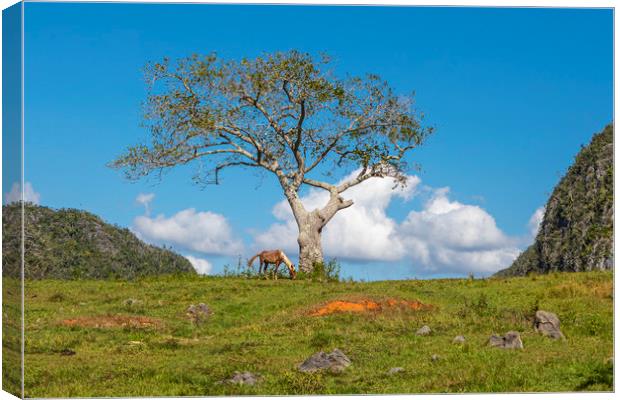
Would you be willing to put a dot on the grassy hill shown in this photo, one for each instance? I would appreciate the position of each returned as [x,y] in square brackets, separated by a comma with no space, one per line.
[133,338]
[576,233]
[75,244]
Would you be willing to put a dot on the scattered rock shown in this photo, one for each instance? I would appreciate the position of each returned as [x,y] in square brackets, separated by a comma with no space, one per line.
[198,314]
[460,339]
[67,352]
[243,378]
[548,324]
[131,302]
[424,331]
[512,340]
[336,361]
[396,370]
[435,358]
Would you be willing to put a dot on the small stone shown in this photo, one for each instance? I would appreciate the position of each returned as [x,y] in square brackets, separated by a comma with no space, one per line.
[244,378]
[424,331]
[460,339]
[512,340]
[198,314]
[131,302]
[396,370]
[435,358]
[67,352]
[548,324]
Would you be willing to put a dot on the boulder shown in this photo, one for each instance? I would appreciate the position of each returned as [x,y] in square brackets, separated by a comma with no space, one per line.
[435,358]
[336,361]
[424,331]
[460,339]
[548,324]
[512,340]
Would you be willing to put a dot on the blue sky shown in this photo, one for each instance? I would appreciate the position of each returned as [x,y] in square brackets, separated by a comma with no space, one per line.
[513,94]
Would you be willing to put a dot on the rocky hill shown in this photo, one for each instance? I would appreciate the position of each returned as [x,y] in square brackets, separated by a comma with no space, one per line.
[576,233]
[74,244]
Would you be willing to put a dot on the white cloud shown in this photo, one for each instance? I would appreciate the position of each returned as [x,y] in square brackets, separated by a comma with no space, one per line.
[30,195]
[145,199]
[535,221]
[201,231]
[202,266]
[450,236]
[444,236]
[362,231]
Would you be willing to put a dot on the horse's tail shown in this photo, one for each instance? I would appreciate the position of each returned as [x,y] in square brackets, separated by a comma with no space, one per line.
[251,260]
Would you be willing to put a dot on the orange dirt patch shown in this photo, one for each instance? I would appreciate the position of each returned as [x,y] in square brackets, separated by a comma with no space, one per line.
[112,321]
[367,306]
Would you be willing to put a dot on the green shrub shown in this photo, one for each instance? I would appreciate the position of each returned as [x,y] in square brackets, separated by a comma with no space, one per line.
[322,272]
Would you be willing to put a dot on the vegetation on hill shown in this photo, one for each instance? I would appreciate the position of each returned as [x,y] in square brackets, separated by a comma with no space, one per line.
[134,338]
[576,233]
[75,244]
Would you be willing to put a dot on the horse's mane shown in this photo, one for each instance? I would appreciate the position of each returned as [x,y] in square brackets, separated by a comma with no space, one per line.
[286,259]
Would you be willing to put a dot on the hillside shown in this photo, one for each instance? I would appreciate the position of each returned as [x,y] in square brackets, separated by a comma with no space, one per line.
[576,233]
[75,244]
[95,338]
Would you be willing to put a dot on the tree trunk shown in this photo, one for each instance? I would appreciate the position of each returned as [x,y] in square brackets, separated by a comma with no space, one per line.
[310,225]
[310,247]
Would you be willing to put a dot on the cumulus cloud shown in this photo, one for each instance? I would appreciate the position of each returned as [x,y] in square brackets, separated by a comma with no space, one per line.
[360,232]
[145,199]
[450,236]
[201,231]
[535,221]
[444,236]
[202,266]
[14,195]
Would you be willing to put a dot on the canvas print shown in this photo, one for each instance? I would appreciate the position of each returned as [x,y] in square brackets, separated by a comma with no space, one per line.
[218,200]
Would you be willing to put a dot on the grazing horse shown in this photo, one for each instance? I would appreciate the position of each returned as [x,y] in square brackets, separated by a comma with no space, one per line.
[275,257]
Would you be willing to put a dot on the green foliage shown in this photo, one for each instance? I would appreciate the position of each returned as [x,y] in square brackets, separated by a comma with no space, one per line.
[264,326]
[576,233]
[322,272]
[75,244]
[284,112]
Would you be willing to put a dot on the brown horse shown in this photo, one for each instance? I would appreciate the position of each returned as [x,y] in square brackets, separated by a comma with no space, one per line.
[275,257]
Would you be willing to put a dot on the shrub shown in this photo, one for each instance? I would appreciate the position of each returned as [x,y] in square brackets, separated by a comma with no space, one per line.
[323,272]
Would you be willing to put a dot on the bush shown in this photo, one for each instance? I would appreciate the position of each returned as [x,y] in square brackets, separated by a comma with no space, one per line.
[322,272]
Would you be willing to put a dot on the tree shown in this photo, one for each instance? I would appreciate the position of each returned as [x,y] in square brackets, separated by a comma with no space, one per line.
[285,113]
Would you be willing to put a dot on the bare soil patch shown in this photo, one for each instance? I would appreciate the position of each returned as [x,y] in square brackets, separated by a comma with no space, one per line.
[362,306]
[112,321]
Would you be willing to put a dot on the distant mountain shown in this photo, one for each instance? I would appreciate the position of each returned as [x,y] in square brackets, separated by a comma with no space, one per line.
[576,233]
[74,244]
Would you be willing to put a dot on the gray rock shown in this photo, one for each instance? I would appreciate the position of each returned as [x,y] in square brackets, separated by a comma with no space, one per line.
[198,314]
[512,340]
[131,302]
[396,370]
[243,378]
[460,339]
[336,361]
[435,358]
[548,324]
[424,331]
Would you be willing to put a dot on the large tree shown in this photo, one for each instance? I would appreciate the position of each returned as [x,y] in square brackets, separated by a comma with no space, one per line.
[286,113]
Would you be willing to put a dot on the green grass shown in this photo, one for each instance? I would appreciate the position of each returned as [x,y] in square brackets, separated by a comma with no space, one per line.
[264,327]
